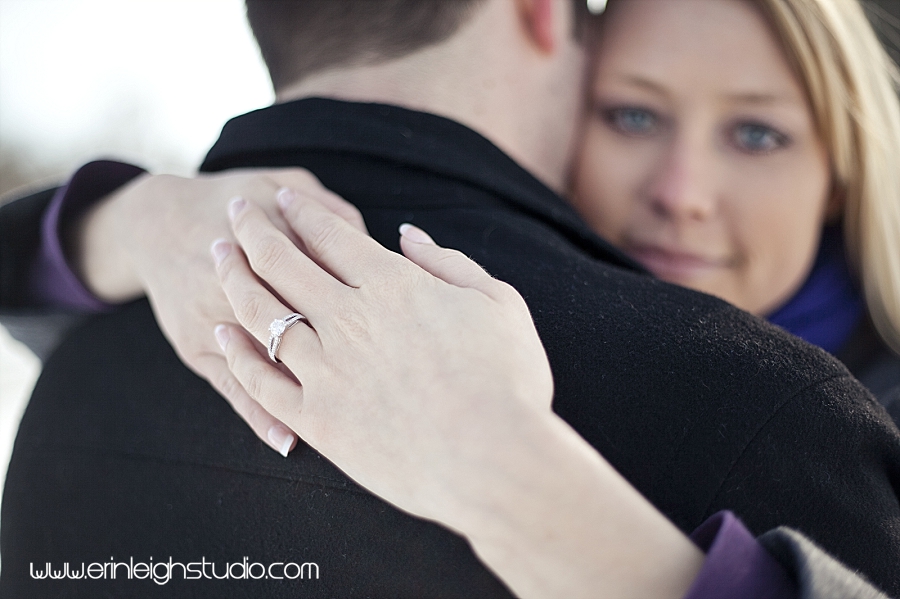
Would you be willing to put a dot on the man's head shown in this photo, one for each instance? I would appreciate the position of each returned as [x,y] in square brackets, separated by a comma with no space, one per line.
[301,37]
[510,69]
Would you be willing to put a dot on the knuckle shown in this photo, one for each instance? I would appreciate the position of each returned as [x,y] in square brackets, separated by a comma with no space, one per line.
[269,255]
[230,388]
[352,326]
[453,259]
[254,382]
[249,310]
[323,236]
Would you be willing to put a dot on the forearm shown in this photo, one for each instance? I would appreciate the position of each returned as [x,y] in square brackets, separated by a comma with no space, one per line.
[55,279]
[94,244]
[558,521]
[41,297]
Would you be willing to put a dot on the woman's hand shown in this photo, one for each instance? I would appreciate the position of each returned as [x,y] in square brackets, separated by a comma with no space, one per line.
[152,237]
[425,381]
[394,357]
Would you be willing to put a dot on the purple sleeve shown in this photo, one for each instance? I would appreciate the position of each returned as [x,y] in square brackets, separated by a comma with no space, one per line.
[52,281]
[736,565]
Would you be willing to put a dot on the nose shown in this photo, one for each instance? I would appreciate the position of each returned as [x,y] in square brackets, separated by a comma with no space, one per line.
[682,187]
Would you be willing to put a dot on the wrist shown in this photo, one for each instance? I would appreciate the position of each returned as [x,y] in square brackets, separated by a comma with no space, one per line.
[562,522]
[96,246]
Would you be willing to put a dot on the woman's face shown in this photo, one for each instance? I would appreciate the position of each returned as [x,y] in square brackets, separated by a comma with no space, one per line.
[700,158]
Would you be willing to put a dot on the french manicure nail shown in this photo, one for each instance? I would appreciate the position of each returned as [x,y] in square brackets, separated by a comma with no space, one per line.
[222,336]
[235,206]
[285,196]
[282,438]
[415,234]
[220,248]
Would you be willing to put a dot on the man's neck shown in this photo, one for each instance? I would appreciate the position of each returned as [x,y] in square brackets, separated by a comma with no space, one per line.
[524,104]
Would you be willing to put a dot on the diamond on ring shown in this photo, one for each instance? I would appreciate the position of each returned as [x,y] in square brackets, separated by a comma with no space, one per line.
[277,329]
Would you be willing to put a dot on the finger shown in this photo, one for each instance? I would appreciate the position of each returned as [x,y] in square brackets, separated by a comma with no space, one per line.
[350,255]
[291,180]
[263,382]
[451,266]
[262,183]
[254,306]
[329,199]
[269,429]
[277,261]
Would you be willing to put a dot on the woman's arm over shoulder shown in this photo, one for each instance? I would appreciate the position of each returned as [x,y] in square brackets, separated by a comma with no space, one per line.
[40,295]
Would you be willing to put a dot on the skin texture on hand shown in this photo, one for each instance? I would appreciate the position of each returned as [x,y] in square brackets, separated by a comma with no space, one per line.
[152,238]
[436,370]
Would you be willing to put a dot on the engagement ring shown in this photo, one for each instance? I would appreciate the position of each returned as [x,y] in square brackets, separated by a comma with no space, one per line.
[277,329]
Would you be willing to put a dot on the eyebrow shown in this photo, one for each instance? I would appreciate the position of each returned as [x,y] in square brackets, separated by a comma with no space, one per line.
[742,97]
[645,83]
[758,98]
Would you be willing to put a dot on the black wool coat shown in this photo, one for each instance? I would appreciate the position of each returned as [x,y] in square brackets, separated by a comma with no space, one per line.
[124,453]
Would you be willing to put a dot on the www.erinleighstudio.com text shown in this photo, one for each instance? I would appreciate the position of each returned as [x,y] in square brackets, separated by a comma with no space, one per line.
[162,572]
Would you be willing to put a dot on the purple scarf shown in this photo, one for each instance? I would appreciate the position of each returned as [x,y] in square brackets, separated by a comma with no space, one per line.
[828,307]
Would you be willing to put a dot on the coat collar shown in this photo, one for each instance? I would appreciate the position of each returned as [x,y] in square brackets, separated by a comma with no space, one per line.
[412,138]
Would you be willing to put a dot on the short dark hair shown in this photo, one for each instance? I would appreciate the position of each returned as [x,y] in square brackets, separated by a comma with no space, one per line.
[300,37]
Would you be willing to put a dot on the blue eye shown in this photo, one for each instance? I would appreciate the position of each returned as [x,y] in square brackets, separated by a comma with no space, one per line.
[758,139]
[632,121]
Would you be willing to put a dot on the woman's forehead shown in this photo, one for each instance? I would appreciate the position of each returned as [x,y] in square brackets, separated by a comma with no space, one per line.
[723,46]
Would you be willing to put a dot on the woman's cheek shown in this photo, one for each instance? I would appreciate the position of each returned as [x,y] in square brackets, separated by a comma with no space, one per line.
[607,181]
[775,216]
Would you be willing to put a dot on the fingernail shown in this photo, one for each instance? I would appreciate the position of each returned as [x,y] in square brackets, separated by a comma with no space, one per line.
[235,206]
[285,196]
[222,336]
[282,438]
[415,234]
[220,248]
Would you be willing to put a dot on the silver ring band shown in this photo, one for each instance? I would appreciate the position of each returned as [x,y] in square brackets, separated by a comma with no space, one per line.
[277,329]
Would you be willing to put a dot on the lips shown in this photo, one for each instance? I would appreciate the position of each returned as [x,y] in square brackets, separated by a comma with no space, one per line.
[674,265]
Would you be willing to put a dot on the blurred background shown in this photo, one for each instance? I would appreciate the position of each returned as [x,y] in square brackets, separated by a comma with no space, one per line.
[146,81]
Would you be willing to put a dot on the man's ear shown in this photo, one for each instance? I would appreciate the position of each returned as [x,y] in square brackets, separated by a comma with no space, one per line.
[543,22]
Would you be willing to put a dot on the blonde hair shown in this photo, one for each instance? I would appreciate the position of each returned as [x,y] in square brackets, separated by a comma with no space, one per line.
[852,85]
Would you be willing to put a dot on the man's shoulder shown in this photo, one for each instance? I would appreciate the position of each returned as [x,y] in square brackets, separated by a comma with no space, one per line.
[600,319]
[632,353]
